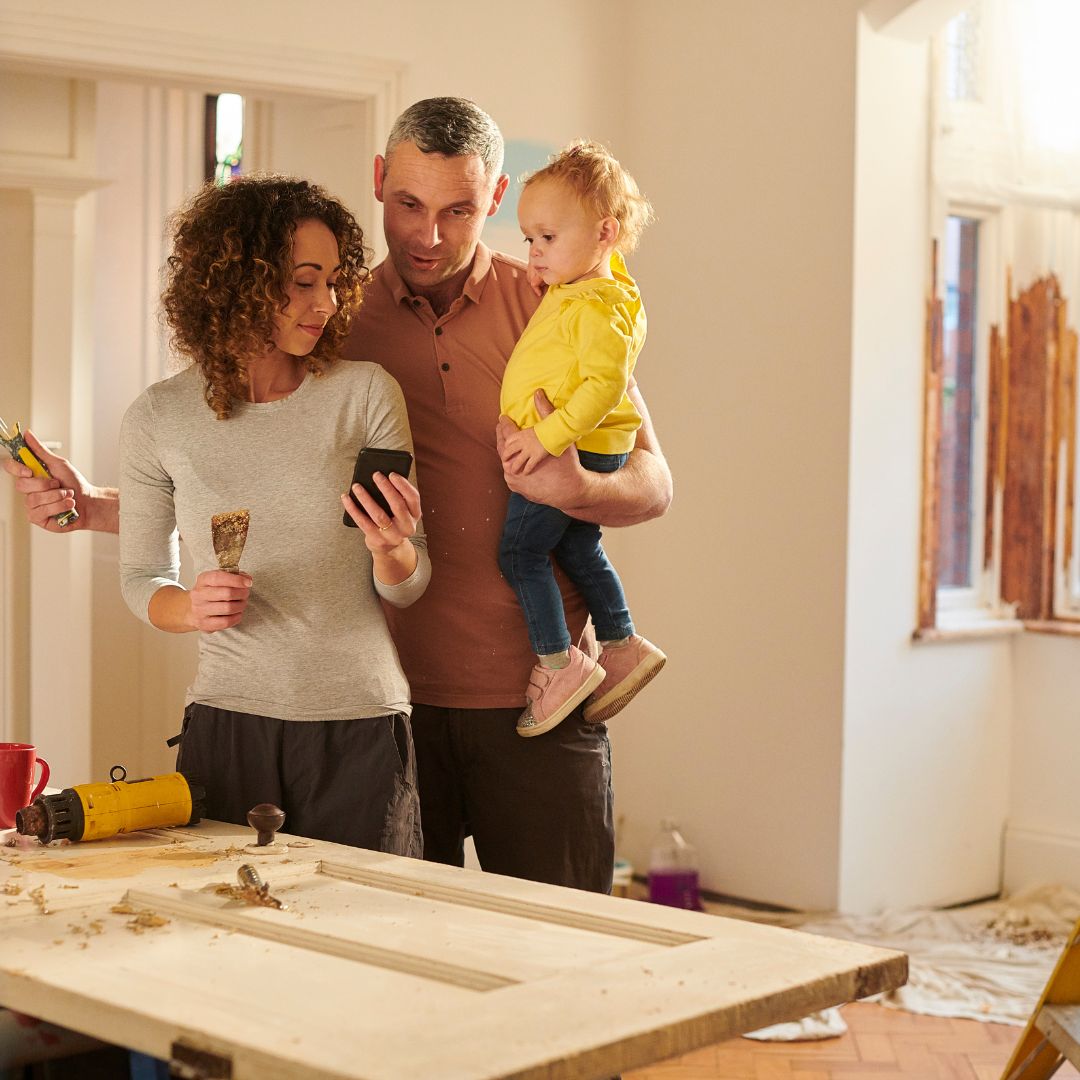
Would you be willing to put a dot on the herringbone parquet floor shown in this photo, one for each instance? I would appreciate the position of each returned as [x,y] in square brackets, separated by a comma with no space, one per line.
[880,1043]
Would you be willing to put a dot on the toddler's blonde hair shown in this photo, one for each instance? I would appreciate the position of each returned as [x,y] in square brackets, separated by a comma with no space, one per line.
[602,184]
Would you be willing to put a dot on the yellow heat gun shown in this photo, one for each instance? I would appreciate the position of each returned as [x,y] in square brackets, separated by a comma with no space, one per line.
[98,811]
[13,440]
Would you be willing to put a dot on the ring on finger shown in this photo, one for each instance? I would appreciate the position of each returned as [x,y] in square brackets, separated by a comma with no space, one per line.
[383,528]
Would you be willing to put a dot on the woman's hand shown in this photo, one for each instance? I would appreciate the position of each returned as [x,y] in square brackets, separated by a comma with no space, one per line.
[218,600]
[387,535]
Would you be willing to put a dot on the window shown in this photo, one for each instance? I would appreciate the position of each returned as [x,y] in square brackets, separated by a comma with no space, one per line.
[956,554]
[999,539]
[962,56]
[223,148]
[959,573]
[1000,522]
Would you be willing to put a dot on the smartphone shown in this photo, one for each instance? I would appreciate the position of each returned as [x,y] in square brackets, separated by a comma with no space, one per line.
[372,460]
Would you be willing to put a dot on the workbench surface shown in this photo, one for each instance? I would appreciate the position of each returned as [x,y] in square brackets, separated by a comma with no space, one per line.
[385,968]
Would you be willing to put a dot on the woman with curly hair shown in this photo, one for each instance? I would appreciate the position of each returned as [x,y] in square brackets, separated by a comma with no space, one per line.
[299,698]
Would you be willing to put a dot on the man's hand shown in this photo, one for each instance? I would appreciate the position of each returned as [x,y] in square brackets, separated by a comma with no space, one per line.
[639,491]
[557,481]
[44,497]
[522,451]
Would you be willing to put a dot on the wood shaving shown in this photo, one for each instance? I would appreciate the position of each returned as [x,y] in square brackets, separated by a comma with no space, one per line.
[146,920]
[1019,929]
[11,888]
[89,930]
[250,895]
[38,896]
[69,886]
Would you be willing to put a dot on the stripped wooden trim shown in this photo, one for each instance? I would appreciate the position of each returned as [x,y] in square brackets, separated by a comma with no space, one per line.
[995,442]
[1065,440]
[1039,495]
[525,909]
[213,911]
[933,369]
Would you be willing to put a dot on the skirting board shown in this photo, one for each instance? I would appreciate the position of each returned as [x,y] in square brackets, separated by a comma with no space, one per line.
[1035,857]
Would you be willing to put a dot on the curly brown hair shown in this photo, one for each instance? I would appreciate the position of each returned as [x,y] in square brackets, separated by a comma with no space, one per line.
[230,265]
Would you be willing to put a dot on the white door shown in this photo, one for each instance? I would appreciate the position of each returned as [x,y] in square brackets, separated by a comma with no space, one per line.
[385,968]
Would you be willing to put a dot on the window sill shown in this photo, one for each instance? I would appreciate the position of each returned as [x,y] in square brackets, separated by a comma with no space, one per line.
[971,628]
[1065,627]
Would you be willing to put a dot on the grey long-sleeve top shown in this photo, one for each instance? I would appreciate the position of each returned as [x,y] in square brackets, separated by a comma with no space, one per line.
[313,643]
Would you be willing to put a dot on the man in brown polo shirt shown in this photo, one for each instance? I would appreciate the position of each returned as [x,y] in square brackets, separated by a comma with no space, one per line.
[442,314]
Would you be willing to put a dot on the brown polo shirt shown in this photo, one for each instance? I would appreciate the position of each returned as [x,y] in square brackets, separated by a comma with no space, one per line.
[463,644]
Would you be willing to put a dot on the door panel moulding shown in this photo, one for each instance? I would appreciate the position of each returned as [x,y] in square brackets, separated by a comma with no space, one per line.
[102,48]
[78,163]
[98,48]
[911,20]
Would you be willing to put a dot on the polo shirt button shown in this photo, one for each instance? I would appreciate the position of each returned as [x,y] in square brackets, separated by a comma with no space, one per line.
[446,367]
[438,330]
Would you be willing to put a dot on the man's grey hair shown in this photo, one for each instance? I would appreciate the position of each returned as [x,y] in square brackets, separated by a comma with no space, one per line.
[452,126]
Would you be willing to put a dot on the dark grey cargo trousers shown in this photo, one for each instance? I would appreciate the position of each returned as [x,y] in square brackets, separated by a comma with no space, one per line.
[346,781]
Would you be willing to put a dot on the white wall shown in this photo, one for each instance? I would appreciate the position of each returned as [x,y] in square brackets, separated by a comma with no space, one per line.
[139,675]
[46,143]
[743,135]
[16,255]
[925,760]
[1043,838]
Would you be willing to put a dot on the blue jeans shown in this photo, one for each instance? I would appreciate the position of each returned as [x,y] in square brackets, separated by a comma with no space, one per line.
[531,535]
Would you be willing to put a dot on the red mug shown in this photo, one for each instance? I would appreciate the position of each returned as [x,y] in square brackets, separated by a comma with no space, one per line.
[17,779]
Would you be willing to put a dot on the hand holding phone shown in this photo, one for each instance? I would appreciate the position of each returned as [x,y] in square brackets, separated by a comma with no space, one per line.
[369,461]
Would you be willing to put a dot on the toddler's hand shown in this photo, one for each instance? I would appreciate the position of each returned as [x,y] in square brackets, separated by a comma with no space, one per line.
[536,282]
[522,452]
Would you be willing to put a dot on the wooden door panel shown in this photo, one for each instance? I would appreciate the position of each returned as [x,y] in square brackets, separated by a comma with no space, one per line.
[385,968]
